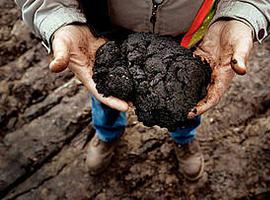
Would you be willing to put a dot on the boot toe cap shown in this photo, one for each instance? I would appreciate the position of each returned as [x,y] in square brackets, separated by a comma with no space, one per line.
[193,169]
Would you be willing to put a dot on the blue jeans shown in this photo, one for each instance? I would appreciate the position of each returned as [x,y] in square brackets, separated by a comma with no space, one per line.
[110,124]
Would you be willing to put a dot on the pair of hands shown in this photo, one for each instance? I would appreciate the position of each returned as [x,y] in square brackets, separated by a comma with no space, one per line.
[225,46]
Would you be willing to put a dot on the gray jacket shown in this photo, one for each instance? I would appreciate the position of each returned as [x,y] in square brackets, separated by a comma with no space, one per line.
[173,16]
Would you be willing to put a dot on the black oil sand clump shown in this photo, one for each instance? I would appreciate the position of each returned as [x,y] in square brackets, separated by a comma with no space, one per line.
[162,79]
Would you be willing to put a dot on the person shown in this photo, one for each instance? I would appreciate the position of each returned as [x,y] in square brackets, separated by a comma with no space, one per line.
[223,32]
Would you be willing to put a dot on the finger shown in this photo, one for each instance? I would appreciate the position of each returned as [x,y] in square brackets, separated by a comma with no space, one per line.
[240,56]
[205,104]
[112,102]
[61,55]
[239,66]
[84,74]
[221,79]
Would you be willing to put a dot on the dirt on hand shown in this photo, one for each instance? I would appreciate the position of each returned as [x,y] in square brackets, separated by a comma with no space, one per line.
[162,79]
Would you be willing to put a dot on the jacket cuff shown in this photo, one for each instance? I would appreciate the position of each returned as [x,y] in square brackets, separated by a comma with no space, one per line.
[57,19]
[246,13]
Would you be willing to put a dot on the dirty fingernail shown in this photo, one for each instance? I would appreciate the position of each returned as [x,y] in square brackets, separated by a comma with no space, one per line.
[194,110]
[238,67]
[234,61]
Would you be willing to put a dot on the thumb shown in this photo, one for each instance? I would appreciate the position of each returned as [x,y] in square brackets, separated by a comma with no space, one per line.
[239,64]
[240,56]
[61,55]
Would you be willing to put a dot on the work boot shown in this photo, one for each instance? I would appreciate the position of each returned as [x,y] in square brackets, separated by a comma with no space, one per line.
[99,154]
[190,158]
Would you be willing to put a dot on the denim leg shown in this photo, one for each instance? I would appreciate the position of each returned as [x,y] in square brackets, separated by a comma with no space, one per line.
[184,135]
[109,123]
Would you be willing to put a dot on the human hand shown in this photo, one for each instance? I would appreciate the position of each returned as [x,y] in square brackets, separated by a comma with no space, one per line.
[74,46]
[226,47]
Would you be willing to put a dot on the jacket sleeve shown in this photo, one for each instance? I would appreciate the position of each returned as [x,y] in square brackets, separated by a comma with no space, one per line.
[254,13]
[46,16]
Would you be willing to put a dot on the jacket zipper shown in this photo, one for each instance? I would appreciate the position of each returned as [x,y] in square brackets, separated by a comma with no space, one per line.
[153,17]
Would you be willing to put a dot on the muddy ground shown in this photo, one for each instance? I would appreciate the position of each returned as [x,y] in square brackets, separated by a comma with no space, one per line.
[45,126]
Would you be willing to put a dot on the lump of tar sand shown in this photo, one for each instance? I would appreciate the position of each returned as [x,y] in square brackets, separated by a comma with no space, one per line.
[162,79]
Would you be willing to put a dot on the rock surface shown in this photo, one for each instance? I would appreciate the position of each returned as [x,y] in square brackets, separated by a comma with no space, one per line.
[162,79]
[43,137]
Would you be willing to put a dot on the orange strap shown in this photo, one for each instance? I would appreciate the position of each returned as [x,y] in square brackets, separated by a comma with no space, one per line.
[197,22]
